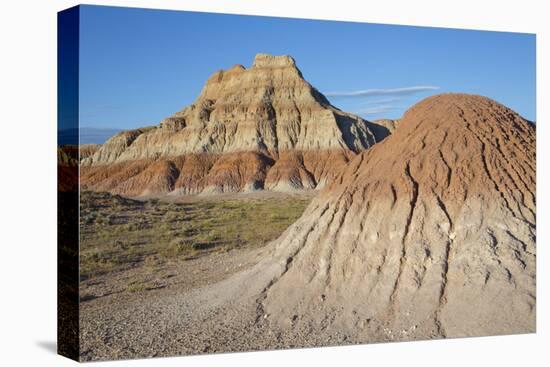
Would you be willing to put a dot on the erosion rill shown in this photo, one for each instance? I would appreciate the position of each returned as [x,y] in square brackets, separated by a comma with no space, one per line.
[259,128]
[430,233]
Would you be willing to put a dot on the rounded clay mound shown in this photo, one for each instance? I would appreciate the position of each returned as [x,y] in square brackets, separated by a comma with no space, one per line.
[430,233]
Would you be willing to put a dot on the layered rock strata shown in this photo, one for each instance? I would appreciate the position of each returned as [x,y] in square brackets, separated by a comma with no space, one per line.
[264,127]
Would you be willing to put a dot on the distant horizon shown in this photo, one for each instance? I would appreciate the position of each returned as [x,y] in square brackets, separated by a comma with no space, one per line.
[85,135]
[119,129]
[139,66]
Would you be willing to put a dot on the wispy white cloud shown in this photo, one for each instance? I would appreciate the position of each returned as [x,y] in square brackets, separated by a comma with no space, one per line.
[382,101]
[383,92]
[375,110]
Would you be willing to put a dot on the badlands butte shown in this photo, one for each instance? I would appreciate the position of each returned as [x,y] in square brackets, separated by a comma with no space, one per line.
[249,129]
[424,228]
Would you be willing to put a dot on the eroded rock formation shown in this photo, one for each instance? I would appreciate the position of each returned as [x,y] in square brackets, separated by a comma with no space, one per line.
[430,233]
[267,113]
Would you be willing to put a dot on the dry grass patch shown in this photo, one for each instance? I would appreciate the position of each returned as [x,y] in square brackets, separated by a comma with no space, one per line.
[117,233]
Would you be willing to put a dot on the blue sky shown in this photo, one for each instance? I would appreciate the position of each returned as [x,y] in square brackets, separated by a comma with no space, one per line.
[138,66]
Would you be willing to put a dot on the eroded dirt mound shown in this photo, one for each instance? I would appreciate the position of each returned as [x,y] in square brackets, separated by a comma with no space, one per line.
[217,173]
[296,170]
[431,233]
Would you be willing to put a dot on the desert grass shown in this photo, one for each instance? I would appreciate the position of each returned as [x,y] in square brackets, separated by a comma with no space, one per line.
[118,233]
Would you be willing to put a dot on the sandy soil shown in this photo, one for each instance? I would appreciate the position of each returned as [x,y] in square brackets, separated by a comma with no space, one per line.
[189,312]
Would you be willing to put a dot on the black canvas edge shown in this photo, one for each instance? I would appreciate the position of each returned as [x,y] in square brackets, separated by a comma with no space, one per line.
[68,39]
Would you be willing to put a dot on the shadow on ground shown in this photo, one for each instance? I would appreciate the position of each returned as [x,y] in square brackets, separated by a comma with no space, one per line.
[48,345]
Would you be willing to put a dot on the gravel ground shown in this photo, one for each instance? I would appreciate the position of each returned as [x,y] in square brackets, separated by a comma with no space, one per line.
[199,306]
[161,320]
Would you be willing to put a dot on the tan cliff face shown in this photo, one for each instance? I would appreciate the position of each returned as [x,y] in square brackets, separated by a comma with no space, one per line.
[430,233]
[268,109]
